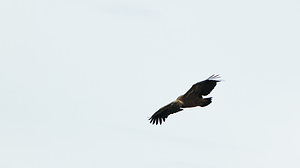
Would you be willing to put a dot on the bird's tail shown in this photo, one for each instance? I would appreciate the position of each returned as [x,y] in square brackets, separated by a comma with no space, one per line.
[205,102]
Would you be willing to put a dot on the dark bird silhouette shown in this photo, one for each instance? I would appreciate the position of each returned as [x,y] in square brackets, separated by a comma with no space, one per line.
[192,98]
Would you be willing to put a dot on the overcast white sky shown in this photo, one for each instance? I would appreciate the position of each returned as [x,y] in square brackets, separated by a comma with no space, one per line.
[79,80]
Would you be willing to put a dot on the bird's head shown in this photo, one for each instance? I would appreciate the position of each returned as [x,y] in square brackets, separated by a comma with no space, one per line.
[179,98]
[178,102]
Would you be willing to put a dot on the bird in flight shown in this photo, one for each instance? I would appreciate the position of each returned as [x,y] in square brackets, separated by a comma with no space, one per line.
[192,98]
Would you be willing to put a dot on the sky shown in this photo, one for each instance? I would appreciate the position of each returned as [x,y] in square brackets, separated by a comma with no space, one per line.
[80,79]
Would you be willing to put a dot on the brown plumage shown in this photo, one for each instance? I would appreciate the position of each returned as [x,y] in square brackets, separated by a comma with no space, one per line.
[192,98]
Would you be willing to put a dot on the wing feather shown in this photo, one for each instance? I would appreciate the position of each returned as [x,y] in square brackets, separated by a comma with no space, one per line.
[161,115]
[202,88]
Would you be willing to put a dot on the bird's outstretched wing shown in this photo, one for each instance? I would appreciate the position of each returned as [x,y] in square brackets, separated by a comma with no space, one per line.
[202,88]
[164,112]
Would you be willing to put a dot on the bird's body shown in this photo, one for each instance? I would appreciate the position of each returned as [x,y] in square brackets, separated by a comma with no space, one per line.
[192,98]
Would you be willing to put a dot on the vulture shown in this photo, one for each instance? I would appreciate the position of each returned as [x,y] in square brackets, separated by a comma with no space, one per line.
[192,98]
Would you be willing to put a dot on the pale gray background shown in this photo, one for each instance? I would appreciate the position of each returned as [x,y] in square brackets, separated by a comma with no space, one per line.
[79,80]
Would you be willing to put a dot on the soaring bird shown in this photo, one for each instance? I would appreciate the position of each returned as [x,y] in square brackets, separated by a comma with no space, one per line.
[192,98]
